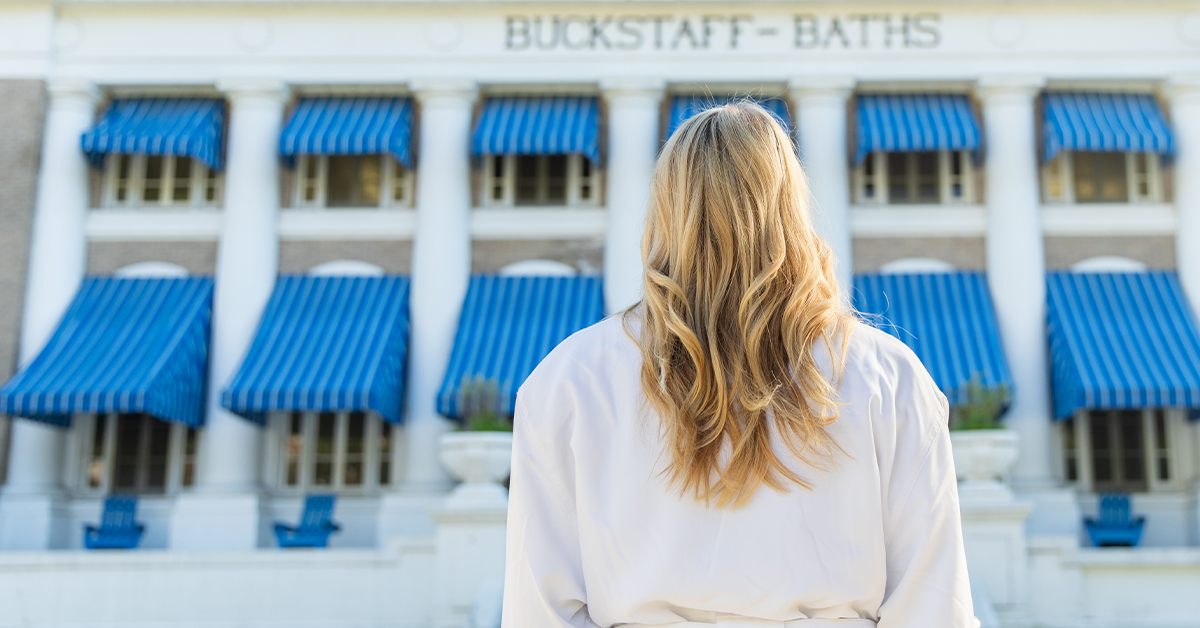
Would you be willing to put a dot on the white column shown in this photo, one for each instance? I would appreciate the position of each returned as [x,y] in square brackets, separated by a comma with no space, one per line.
[1016,270]
[30,504]
[634,111]
[441,266]
[821,136]
[222,511]
[1183,93]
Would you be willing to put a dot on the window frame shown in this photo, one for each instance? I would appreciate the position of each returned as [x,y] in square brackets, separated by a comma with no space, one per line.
[200,178]
[1176,451]
[582,174]
[873,172]
[1060,172]
[177,456]
[393,178]
[277,459]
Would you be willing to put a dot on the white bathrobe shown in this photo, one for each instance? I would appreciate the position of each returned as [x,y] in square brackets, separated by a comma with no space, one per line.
[596,536]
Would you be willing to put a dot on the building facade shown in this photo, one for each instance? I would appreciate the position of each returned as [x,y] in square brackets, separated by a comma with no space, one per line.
[259,250]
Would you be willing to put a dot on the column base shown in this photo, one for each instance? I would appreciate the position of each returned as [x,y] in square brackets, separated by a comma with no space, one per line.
[408,513]
[1055,510]
[470,561]
[33,521]
[994,536]
[217,521]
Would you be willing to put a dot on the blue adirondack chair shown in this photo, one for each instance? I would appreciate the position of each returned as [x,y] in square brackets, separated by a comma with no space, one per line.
[316,524]
[1115,527]
[118,527]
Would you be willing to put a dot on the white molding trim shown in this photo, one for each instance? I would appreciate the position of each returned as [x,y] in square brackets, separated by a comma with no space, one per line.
[347,224]
[540,267]
[917,265]
[1102,219]
[152,269]
[1107,264]
[346,268]
[542,223]
[150,224]
[918,220]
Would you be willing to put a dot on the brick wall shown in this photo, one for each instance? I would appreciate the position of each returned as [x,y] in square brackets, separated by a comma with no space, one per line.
[964,253]
[22,107]
[1155,252]
[489,256]
[199,258]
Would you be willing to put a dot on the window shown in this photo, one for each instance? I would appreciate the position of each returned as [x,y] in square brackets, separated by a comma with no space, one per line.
[539,180]
[1123,450]
[1094,177]
[135,453]
[165,181]
[915,178]
[337,451]
[351,181]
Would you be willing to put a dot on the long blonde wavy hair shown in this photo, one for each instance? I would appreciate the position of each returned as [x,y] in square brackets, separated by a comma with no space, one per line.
[738,290]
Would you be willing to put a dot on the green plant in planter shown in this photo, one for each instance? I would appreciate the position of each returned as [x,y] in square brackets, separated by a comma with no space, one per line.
[982,409]
[479,402]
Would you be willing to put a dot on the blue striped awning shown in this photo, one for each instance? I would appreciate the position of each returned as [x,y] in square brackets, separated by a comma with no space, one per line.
[905,123]
[688,105]
[189,127]
[538,125]
[1121,340]
[508,324]
[1104,122]
[331,125]
[326,344]
[947,319]
[123,345]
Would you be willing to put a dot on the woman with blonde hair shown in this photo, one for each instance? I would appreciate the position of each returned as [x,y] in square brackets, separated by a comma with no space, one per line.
[736,449]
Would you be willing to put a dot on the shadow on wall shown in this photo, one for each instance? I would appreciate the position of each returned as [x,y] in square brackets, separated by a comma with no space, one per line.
[5,426]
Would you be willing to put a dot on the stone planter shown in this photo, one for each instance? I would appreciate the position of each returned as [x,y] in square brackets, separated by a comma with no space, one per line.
[982,460]
[480,461]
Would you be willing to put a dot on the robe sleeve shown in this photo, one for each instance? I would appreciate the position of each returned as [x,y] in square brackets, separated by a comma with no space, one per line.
[927,582]
[543,573]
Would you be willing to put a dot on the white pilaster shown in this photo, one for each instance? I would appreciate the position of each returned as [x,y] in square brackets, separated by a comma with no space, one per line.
[1183,96]
[441,266]
[634,108]
[30,505]
[222,509]
[1016,275]
[821,136]
[1183,93]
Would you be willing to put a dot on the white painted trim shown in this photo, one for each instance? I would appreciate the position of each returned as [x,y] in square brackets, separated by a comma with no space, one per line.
[344,267]
[918,220]
[152,224]
[917,265]
[1108,263]
[542,223]
[1103,219]
[346,224]
[543,267]
[152,269]
[279,429]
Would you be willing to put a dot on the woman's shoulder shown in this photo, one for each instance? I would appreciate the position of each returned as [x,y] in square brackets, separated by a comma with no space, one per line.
[883,374]
[602,348]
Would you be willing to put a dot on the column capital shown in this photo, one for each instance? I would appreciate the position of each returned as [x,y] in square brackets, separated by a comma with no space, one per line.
[1182,87]
[615,88]
[263,88]
[72,90]
[835,87]
[445,88]
[1006,87]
